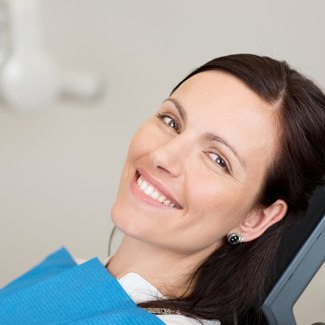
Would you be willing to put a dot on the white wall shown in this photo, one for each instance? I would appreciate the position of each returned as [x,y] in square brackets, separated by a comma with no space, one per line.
[59,169]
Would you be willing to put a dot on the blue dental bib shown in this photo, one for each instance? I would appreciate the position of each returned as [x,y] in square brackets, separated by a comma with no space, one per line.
[58,291]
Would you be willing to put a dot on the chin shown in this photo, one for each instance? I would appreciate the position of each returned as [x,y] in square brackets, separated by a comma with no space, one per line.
[117,217]
[128,222]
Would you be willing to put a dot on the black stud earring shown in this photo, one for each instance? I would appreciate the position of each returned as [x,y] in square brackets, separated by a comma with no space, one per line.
[234,239]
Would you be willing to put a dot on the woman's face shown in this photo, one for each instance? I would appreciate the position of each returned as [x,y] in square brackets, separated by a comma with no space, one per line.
[193,172]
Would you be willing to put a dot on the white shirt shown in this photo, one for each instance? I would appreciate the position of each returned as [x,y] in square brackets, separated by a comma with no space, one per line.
[140,290]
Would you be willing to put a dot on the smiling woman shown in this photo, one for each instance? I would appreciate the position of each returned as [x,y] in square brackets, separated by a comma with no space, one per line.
[209,186]
[231,157]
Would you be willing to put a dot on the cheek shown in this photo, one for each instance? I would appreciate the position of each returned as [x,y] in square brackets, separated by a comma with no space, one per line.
[138,147]
[217,204]
[142,142]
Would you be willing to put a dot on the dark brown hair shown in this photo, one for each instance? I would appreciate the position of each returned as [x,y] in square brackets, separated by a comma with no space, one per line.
[231,279]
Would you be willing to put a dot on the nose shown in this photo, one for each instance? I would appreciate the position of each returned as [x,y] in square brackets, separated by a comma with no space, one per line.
[169,157]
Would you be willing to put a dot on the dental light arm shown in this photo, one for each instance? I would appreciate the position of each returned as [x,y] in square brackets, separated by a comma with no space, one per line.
[29,78]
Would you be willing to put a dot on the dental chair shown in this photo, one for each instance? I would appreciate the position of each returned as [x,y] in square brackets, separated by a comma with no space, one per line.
[301,254]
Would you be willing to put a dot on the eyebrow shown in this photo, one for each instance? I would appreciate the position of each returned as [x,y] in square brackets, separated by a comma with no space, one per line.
[213,137]
[208,135]
[178,106]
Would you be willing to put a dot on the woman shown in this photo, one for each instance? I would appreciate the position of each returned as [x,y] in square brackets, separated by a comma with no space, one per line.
[235,152]
[209,185]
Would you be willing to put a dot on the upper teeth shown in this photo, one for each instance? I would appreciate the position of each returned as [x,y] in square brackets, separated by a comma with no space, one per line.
[153,192]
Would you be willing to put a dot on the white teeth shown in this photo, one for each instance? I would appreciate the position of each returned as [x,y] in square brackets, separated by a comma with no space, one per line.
[149,189]
[153,193]
[167,202]
[161,198]
[143,185]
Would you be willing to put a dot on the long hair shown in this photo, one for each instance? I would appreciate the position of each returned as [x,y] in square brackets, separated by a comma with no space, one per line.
[232,278]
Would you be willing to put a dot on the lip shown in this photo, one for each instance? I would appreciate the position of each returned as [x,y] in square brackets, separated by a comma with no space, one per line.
[158,185]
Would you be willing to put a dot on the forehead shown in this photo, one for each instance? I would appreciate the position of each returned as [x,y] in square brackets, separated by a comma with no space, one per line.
[220,103]
[218,87]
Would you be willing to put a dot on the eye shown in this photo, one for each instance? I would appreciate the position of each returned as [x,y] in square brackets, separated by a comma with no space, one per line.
[218,160]
[168,121]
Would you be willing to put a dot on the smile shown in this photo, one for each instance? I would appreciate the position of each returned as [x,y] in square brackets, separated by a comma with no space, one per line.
[152,192]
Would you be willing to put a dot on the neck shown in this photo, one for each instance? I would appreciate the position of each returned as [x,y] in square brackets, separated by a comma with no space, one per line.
[170,272]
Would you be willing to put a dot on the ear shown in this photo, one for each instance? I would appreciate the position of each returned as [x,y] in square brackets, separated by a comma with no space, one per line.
[261,219]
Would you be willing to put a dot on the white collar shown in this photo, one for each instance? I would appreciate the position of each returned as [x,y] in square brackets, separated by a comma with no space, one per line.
[138,288]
